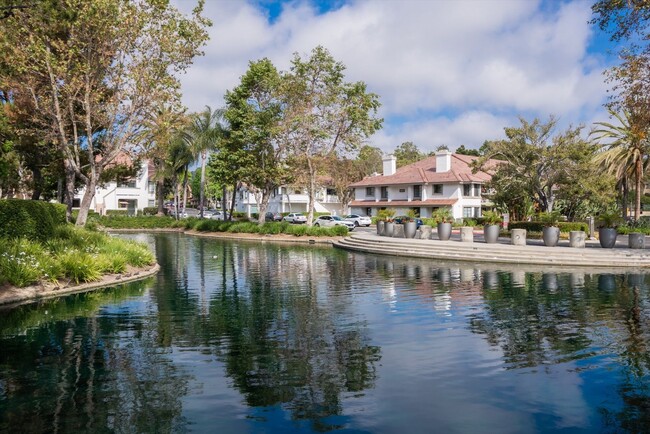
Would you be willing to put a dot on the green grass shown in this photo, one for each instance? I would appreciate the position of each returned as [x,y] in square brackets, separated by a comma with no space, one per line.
[80,255]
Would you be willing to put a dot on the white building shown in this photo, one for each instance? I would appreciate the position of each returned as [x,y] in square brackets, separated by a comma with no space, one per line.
[290,199]
[444,180]
[131,196]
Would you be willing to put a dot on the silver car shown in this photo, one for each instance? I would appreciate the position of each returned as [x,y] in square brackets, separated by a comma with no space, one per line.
[333,220]
[295,217]
[358,220]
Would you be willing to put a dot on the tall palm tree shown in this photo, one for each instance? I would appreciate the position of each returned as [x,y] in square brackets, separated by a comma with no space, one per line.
[177,161]
[626,151]
[203,135]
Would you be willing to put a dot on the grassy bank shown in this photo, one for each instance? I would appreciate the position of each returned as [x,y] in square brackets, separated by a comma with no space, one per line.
[207,225]
[80,255]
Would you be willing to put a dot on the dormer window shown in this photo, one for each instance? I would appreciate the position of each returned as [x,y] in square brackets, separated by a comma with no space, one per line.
[437,188]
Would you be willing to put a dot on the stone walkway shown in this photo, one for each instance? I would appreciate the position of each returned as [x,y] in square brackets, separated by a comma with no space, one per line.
[503,252]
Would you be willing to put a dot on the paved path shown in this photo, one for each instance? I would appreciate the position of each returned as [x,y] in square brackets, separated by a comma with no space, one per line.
[503,252]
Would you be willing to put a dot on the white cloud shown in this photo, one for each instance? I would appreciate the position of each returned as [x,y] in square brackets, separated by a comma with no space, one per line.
[472,65]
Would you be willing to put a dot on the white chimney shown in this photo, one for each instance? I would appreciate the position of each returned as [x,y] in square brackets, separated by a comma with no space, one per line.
[443,161]
[390,164]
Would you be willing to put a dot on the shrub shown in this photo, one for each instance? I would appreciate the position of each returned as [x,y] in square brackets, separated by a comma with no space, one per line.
[539,226]
[442,215]
[80,267]
[243,227]
[138,222]
[273,228]
[31,219]
[470,222]
[150,210]
[117,212]
[492,218]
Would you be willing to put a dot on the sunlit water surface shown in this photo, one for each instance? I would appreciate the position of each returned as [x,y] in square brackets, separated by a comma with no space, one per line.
[246,337]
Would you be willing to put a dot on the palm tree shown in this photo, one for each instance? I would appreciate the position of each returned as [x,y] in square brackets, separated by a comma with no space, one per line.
[177,161]
[203,135]
[627,152]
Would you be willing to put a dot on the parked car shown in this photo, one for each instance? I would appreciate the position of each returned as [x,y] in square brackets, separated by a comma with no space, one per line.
[333,220]
[188,212]
[272,217]
[358,220]
[220,215]
[295,217]
[402,218]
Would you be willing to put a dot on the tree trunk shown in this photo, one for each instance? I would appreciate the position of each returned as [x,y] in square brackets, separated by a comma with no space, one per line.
[160,188]
[232,200]
[263,205]
[38,183]
[202,194]
[185,189]
[311,192]
[223,201]
[86,201]
[639,182]
[70,177]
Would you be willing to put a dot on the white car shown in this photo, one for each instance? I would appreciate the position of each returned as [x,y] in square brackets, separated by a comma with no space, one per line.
[358,220]
[333,220]
[295,217]
[219,215]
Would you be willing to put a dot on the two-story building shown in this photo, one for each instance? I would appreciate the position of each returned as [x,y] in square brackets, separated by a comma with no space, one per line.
[132,195]
[444,180]
[287,199]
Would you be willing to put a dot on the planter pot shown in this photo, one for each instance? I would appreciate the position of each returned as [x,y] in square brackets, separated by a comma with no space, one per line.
[467,234]
[551,236]
[577,239]
[380,227]
[389,229]
[607,237]
[491,233]
[444,231]
[518,237]
[636,240]
[410,228]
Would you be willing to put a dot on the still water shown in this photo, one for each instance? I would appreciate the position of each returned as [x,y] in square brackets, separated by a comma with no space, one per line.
[266,338]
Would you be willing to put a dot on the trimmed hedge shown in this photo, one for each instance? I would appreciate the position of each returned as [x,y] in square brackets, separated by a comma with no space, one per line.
[539,226]
[31,219]
[119,212]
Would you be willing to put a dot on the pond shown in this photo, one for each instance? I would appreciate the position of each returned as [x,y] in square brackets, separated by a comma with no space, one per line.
[248,337]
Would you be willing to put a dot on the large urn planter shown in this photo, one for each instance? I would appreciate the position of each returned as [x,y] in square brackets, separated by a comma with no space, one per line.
[551,235]
[410,228]
[607,237]
[380,227]
[444,231]
[491,233]
[389,229]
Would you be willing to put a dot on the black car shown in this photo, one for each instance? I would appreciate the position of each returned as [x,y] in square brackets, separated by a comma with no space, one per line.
[403,218]
[273,217]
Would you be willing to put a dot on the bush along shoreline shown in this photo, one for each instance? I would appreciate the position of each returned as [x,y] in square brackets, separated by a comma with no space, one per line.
[37,245]
[207,225]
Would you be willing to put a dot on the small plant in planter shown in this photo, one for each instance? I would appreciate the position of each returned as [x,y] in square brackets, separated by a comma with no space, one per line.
[492,226]
[443,218]
[551,231]
[608,222]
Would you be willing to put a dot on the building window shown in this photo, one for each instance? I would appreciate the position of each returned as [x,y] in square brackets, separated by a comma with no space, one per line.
[402,190]
[467,190]
[370,191]
[368,211]
[477,212]
[417,192]
[152,203]
[384,192]
[127,183]
[468,212]
[330,192]
[437,188]
[477,190]
[151,187]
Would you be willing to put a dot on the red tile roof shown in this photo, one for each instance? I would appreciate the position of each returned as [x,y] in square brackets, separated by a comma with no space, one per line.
[424,171]
[413,203]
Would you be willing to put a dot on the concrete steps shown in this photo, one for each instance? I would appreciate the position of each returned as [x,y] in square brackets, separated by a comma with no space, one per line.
[591,256]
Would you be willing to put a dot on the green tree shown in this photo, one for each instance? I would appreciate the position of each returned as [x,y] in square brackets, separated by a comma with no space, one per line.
[94,71]
[253,152]
[369,160]
[324,114]
[203,134]
[408,153]
[534,164]
[468,151]
[625,150]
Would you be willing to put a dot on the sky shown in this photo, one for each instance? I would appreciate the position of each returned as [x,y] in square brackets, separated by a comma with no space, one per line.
[448,72]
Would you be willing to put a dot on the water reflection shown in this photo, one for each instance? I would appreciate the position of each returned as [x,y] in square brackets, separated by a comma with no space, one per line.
[252,337]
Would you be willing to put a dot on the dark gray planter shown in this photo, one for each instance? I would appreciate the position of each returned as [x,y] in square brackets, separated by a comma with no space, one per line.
[607,237]
[636,240]
[444,231]
[551,236]
[380,227]
[409,229]
[389,229]
[491,233]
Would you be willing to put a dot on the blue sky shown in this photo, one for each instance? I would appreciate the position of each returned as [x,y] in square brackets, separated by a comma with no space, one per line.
[447,71]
